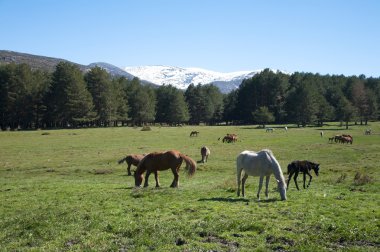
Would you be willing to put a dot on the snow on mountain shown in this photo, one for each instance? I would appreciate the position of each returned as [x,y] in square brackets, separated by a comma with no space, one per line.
[183,77]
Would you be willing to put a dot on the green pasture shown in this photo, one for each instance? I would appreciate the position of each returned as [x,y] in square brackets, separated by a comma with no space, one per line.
[62,190]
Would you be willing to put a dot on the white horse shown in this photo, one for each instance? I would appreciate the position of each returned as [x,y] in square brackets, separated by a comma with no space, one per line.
[259,164]
[205,152]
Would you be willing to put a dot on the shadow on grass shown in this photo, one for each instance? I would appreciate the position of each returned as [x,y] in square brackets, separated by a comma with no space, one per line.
[334,129]
[125,188]
[220,199]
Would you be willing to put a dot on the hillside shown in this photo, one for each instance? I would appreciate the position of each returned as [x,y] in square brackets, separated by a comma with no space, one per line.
[48,63]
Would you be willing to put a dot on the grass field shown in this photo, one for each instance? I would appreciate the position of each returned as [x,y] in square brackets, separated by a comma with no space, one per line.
[62,190]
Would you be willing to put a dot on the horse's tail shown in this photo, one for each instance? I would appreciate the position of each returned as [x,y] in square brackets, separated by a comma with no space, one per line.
[191,166]
[238,170]
[122,160]
[289,168]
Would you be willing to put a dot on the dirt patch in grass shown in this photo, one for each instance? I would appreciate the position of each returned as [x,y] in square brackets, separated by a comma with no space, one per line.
[210,238]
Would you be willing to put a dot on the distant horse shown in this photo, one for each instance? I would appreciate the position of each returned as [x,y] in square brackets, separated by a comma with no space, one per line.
[286,128]
[343,138]
[230,138]
[205,152]
[305,167]
[259,164]
[331,139]
[133,159]
[269,130]
[194,133]
[160,161]
[321,133]
[368,132]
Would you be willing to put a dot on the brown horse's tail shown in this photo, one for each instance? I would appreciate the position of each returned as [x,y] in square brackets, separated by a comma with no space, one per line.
[122,160]
[191,166]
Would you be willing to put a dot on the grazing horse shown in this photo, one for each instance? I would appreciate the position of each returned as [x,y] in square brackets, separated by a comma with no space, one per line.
[160,161]
[230,138]
[344,138]
[305,167]
[259,164]
[133,159]
[205,152]
[269,130]
[194,133]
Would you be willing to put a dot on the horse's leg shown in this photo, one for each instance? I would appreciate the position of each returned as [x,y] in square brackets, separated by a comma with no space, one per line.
[243,183]
[304,179]
[129,169]
[156,177]
[176,178]
[266,186]
[308,184]
[146,178]
[260,186]
[289,178]
[295,180]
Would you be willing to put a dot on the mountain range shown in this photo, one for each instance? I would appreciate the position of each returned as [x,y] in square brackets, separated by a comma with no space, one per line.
[150,75]
[183,77]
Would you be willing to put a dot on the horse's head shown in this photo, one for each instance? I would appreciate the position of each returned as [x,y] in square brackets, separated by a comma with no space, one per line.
[138,179]
[316,169]
[282,189]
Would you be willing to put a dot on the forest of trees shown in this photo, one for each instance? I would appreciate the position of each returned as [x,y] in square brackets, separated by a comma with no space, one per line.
[69,98]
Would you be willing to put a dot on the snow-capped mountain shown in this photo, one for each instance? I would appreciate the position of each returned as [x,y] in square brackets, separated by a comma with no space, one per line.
[183,77]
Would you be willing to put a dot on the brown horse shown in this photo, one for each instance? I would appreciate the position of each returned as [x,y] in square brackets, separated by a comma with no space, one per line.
[194,133]
[230,138]
[160,161]
[133,159]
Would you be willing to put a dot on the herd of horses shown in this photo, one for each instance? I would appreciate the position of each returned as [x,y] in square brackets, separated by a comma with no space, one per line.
[341,139]
[248,163]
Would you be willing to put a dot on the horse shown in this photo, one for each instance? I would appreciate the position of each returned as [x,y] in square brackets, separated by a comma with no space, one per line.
[368,132]
[205,152]
[194,133]
[321,133]
[331,139]
[302,166]
[347,138]
[286,128]
[160,161]
[269,130]
[259,164]
[229,138]
[133,159]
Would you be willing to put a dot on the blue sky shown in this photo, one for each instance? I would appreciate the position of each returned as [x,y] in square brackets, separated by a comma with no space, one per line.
[318,36]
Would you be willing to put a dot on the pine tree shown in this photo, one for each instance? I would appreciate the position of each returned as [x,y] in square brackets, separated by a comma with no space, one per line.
[69,103]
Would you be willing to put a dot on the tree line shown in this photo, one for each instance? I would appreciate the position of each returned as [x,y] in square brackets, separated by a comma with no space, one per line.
[69,98]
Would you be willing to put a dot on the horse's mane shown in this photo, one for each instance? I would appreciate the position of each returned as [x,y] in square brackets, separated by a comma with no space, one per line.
[277,168]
